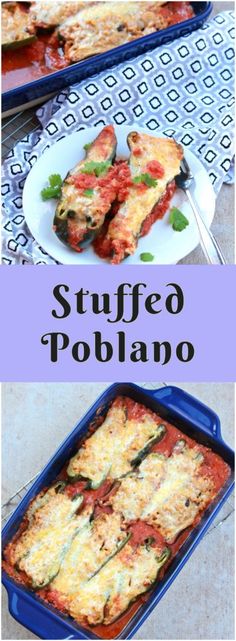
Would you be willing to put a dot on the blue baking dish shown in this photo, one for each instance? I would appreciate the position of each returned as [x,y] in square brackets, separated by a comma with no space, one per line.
[192,417]
[33,91]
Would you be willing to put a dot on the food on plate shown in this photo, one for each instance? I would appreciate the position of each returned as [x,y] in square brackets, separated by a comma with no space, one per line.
[154,163]
[46,15]
[53,188]
[177,219]
[15,26]
[103,534]
[113,202]
[84,202]
[68,32]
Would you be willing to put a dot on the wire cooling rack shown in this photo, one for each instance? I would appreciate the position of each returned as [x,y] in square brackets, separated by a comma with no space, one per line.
[15,127]
[13,501]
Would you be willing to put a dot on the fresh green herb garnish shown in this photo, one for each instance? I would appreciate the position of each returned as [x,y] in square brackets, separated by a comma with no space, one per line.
[177,219]
[87,146]
[146,179]
[88,192]
[53,190]
[97,168]
[146,257]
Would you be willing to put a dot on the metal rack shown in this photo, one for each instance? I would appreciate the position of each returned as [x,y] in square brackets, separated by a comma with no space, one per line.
[14,128]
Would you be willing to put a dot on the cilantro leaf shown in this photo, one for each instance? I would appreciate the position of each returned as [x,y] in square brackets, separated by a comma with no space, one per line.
[97,168]
[146,257]
[88,193]
[177,219]
[55,180]
[146,179]
[53,190]
[87,146]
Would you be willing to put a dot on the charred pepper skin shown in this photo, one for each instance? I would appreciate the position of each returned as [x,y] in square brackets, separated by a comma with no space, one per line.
[78,218]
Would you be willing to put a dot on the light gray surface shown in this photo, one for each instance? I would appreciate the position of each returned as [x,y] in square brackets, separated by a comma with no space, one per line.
[199,605]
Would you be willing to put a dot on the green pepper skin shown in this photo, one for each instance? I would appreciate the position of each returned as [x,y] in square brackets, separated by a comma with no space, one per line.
[161,430]
[78,218]
[16,44]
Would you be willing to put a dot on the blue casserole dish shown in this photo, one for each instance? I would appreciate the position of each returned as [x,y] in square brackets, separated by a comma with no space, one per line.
[32,92]
[182,410]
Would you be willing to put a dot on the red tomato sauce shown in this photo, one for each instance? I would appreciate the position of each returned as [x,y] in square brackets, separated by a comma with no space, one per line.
[213,466]
[22,65]
[45,55]
[105,247]
[155,169]
[176,12]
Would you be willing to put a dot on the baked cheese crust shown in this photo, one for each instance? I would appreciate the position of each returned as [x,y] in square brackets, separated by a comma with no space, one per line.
[95,552]
[15,23]
[126,226]
[91,548]
[52,526]
[113,447]
[167,493]
[53,13]
[106,25]
[127,575]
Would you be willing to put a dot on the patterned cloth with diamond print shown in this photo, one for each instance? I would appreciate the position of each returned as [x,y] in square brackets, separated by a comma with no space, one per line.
[184,89]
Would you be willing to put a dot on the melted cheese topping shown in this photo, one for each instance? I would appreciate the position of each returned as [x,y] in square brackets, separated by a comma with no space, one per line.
[122,579]
[15,23]
[109,24]
[127,223]
[40,549]
[112,448]
[167,493]
[53,13]
[87,211]
[90,549]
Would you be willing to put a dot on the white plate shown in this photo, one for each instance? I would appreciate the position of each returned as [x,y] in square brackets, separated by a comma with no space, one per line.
[167,245]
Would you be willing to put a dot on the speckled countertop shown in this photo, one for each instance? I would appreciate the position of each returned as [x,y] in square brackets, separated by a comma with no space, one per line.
[199,604]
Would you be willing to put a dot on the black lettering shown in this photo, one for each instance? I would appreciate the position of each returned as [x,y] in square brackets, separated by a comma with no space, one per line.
[139,353]
[58,341]
[62,300]
[185,352]
[81,352]
[105,308]
[150,301]
[103,349]
[121,346]
[120,302]
[80,300]
[164,347]
[175,301]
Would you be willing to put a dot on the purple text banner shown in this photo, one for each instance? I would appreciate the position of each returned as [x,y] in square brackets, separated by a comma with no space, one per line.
[64,323]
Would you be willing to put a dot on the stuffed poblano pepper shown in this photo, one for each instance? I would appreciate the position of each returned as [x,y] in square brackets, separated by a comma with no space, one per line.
[165,492]
[15,26]
[154,163]
[85,197]
[130,573]
[116,446]
[94,545]
[52,525]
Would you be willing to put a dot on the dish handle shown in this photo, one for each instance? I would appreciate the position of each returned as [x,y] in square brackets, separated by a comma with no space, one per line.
[34,617]
[187,406]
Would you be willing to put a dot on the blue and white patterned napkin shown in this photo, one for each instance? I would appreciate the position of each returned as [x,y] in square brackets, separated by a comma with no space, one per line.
[184,89]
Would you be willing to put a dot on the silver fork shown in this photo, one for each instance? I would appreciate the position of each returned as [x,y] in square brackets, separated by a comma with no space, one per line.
[208,242]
